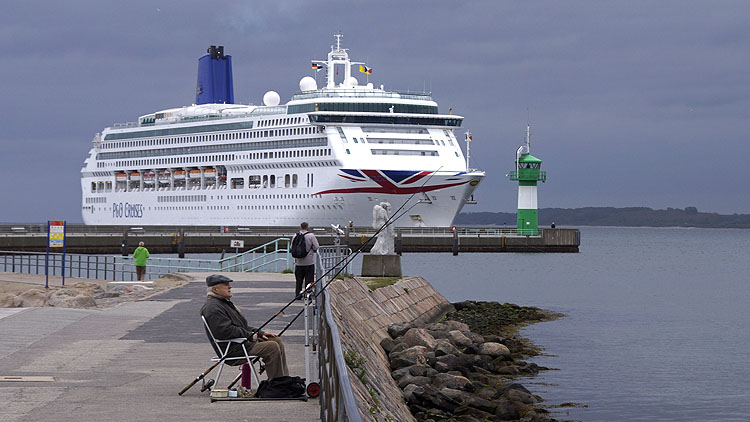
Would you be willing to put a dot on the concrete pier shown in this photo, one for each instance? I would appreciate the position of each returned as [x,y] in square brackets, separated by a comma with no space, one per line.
[127,363]
[198,239]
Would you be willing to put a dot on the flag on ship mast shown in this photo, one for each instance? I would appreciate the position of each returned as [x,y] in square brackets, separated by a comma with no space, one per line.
[316,66]
[365,69]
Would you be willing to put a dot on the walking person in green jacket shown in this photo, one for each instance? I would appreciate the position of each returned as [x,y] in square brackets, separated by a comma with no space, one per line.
[141,255]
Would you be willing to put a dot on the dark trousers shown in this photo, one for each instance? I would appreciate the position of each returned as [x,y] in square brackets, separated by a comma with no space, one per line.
[304,273]
[140,271]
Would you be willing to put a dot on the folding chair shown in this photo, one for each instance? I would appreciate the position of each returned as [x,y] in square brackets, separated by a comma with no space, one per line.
[221,354]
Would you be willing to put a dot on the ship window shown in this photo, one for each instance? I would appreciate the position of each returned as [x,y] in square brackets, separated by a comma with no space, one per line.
[273,181]
[287,181]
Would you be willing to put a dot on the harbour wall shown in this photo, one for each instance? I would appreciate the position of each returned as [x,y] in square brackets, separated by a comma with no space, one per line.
[363,317]
[110,239]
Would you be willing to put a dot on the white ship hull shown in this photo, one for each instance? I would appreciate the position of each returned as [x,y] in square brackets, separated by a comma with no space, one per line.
[234,207]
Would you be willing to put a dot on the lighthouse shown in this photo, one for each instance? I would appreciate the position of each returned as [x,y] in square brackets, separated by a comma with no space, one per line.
[528,172]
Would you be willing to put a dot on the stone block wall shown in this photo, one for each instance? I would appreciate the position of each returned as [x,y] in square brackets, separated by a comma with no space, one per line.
[363,317]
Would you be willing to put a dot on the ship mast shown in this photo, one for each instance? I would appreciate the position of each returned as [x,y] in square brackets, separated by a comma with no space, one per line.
[339,56]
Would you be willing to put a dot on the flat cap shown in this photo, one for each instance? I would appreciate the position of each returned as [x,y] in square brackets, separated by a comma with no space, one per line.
[215,279]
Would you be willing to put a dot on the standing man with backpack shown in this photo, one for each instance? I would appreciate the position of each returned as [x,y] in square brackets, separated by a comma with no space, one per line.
[304,244]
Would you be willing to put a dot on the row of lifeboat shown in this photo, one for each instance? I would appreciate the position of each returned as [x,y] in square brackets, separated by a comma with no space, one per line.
[164,176]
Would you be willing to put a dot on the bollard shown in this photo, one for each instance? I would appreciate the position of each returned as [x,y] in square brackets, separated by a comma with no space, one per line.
[455,242]
[181,244]
[399,244]
[124,249]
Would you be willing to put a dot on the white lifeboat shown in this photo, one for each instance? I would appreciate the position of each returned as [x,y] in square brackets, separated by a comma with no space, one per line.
[164,176]
[179,174]
[121,177]
[209,173]
[135,176]
[195,174]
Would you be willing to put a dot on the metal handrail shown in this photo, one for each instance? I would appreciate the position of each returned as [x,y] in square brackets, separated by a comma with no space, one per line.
[337,402]
[115,267]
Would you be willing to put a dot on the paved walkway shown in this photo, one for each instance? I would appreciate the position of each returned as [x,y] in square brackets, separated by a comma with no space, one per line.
[127,363]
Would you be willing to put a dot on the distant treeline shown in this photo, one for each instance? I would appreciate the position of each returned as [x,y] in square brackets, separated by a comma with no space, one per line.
[610,216]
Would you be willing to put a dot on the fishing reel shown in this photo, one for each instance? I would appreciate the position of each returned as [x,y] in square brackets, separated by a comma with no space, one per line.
[206,385]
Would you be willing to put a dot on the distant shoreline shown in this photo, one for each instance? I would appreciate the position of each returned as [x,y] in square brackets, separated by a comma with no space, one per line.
[567,226]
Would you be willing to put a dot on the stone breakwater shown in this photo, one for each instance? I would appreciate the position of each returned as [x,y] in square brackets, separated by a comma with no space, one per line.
[406,367]
[448,372]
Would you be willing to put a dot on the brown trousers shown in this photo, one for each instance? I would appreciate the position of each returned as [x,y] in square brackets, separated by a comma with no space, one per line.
[273,355]
[140,271]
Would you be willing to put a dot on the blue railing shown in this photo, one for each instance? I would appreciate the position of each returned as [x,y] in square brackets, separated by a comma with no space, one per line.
[272,257]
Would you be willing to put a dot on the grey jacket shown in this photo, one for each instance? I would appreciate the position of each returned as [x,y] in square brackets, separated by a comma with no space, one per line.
[226,322]
[311,243]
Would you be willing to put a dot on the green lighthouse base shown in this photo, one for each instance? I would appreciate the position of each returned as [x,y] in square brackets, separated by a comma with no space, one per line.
[528,222]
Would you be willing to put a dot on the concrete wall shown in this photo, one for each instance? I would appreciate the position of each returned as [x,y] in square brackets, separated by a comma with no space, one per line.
[551,240]
[363,317]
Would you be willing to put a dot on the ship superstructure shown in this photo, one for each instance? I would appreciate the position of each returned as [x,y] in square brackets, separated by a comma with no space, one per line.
[326,157]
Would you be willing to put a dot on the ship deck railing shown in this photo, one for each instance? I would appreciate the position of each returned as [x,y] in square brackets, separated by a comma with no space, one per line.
[357,93]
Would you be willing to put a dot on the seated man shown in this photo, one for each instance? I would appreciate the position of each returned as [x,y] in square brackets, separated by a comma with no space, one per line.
[226,322]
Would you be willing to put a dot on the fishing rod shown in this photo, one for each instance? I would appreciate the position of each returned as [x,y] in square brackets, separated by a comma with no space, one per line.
[307,288]
[351,256]
[346,260]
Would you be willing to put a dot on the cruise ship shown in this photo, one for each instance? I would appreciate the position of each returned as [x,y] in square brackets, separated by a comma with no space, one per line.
[326,157]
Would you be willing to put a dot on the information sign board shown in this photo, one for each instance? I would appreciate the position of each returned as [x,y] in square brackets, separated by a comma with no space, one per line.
[237,244]
[56,234]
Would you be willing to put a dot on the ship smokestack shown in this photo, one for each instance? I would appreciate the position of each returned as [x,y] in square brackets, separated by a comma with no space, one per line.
[215,78]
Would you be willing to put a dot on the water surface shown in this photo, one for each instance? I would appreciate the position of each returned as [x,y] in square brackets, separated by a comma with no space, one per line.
[657,325]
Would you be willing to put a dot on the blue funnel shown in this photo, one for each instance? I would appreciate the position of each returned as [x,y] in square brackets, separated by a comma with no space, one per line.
[215,78]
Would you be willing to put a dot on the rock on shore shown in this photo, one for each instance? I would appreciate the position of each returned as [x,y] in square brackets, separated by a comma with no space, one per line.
[79,295]
[448,372]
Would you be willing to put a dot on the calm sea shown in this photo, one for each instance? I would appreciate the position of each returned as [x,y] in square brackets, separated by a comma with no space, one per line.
[657,325]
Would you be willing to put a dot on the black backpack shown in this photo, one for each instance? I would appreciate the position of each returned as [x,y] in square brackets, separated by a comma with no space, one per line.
[281,387]
[299,248]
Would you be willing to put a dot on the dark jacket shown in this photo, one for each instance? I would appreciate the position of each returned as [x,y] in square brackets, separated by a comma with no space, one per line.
[226,322]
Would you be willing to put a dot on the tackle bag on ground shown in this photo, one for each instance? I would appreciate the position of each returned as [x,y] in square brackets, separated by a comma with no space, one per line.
[281,387]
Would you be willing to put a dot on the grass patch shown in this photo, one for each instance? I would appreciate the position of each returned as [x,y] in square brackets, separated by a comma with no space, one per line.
[377,282]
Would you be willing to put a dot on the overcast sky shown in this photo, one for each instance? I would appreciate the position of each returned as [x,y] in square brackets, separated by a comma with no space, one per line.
[631,103]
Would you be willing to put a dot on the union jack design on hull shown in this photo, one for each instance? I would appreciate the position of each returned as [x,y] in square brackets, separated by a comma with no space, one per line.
[389,182]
